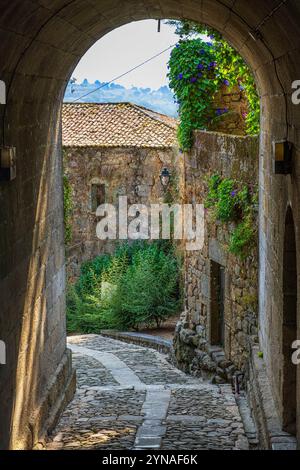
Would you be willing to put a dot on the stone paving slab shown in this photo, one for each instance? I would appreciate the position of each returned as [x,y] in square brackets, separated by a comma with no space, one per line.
[130,397]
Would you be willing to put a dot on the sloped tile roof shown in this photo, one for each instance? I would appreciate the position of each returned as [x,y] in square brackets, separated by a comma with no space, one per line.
[116,125]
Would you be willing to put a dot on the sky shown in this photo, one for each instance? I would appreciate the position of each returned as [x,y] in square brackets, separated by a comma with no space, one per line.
[126,47]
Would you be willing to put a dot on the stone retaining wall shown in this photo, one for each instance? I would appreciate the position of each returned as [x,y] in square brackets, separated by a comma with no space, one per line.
[194,345]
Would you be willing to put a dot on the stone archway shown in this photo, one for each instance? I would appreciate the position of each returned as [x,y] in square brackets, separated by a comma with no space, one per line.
[41,43]
[289,327]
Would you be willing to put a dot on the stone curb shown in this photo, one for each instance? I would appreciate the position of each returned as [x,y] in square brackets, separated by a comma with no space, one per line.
[155,342]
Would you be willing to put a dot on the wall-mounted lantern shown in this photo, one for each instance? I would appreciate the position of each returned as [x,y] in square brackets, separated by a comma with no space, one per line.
[8,169]
[282,155]
[165,177]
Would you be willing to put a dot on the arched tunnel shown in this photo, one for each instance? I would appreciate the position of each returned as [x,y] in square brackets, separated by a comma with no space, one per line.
[41,43]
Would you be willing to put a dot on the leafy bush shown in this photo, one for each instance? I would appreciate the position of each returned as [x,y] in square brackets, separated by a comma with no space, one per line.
[148,287]
[226,203]
[137,286]
[213,185]
[232,201]
[243,238]
[84,314]
[91,272]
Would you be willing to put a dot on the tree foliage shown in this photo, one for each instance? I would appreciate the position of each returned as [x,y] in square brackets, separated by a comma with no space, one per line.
[231,201]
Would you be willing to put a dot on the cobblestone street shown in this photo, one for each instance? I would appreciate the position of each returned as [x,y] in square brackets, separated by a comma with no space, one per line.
[129,397]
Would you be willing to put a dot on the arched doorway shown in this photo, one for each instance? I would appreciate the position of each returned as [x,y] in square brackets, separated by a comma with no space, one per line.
[289,327]
[54,36]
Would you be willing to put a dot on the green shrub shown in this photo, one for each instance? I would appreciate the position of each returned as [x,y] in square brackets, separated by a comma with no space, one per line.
[226,202]
[84,314]
[232,201]
[213,185]
[91,272]
[243,238]
[148,288]
[137,286]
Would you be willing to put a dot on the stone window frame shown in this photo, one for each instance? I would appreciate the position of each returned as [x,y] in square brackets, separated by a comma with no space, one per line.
[217,255]
[217,334]
[96,182]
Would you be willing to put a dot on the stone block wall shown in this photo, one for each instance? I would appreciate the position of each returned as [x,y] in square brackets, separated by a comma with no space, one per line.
[37,377]
[234,101]
[195,348]
[131,172]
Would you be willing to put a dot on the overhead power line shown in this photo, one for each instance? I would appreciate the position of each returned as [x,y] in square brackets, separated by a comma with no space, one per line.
[123,74]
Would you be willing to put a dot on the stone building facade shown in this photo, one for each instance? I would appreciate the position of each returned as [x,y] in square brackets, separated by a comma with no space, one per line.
[112,150]
[221,311]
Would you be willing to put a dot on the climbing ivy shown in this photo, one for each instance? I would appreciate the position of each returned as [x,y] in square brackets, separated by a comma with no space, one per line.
[231,201]
[197,70]
[192,78]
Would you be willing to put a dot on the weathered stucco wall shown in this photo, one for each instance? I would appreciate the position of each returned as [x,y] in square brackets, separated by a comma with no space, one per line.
[195,348]
[131,172]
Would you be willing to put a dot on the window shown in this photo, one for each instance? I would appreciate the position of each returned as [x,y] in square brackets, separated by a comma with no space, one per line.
[97,196]
[217,304]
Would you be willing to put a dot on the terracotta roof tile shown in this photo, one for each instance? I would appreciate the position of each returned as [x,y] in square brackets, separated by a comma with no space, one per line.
[116,125]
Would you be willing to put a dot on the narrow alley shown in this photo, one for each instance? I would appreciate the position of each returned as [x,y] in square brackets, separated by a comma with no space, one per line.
[131,397]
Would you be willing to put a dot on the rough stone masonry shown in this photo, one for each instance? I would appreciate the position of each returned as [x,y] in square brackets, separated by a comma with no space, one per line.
[197,347]
[131,397]
[41,43]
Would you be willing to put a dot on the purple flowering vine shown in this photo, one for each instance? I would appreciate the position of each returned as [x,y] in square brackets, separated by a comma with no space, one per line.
[221,111]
